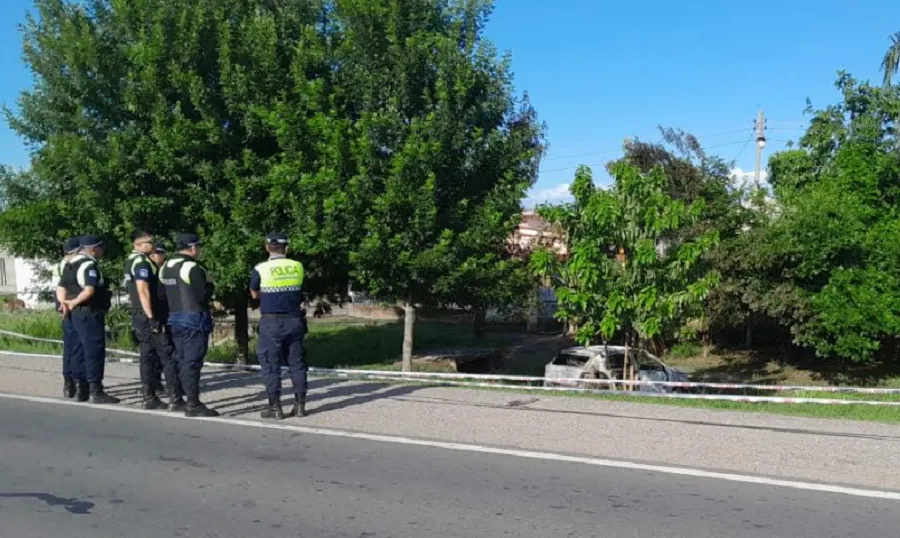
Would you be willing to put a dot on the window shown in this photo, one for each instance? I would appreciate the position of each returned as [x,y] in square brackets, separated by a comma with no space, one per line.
[3,280]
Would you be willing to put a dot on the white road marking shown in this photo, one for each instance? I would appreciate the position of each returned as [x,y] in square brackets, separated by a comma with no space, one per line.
[546,456]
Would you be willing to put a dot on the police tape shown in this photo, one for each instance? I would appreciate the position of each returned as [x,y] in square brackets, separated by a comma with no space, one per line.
[642,394]
[375,375]
[60,342]
[570,384]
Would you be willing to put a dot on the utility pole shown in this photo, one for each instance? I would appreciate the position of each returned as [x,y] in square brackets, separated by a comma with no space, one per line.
[760,142]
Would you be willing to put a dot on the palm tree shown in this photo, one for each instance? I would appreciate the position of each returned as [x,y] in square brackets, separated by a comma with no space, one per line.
[891,62]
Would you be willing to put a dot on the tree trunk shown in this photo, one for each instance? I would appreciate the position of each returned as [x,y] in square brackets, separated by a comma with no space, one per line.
[409,322]
[626,362]
[748,335]
[241,328]
[706,344]
[478,323]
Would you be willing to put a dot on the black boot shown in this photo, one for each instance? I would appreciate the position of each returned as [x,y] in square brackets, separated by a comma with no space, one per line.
[176,402]
[82,391]
[273,411]
[196,409]
[158,386]
[175,393]
[151,400]
[69,388]
[299,409]
[98,396]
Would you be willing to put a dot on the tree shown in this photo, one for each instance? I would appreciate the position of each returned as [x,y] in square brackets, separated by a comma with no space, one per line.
[447,154]
[658,280]
[693,175]
[891,61]
[832,248]
[212,115]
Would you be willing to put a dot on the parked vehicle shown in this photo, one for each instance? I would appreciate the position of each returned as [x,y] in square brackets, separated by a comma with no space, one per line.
[607,362]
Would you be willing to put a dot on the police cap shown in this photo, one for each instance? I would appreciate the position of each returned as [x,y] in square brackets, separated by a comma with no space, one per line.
[277,239]
[71,245]
[90,241]
[160,249]
[186,240]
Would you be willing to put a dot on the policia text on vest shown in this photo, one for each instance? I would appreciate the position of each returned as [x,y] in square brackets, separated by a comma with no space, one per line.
[278,285]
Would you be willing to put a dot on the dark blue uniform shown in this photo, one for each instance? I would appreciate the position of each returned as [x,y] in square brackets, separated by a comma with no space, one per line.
[88,325]
[70,375]
[189,295]
[155,341]
[282,328]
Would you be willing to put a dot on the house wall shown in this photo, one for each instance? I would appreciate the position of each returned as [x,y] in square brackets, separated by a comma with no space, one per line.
[7,274]
[29,283]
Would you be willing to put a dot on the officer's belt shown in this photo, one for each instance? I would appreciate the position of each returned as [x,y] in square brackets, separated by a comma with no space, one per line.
[281,316]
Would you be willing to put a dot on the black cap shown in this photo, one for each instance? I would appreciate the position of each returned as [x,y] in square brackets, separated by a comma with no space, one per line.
[71,245]
[276,239]
[184,241]
[160,249]
[90,241]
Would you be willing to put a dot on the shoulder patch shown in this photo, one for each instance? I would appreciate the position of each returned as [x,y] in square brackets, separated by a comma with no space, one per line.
[143,272]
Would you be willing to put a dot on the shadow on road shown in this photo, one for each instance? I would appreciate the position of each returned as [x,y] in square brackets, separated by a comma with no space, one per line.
[73,506]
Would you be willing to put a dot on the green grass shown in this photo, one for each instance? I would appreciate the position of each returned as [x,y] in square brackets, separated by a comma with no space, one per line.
[371,346]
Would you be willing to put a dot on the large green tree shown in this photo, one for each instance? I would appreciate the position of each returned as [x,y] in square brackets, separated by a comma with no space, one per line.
[830,249]
[694,175]
[634,267]
[448,152]
[211,115]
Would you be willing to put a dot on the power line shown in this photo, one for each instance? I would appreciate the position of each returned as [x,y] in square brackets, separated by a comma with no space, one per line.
[616,150]
[741,152]
[602,164]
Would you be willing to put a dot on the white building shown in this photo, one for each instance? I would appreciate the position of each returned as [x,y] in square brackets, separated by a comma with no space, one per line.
[7,275]
[23,280]
[32,278]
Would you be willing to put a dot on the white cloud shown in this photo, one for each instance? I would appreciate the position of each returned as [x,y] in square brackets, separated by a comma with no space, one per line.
[741,178]
[552,195]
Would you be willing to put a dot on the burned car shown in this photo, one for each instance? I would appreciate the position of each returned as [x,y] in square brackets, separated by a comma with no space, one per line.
[608,362]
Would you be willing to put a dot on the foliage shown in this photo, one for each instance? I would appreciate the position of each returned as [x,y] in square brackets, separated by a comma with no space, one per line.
[696,175]
[661,278]
[891,61]
[174,115]
[826,263]
[448,152]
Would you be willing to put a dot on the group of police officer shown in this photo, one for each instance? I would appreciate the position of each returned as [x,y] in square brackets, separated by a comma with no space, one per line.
[171,319]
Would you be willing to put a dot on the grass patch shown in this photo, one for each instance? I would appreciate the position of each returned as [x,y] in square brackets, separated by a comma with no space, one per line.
[371,346]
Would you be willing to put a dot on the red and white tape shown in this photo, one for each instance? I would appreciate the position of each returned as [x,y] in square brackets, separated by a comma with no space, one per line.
[478,380]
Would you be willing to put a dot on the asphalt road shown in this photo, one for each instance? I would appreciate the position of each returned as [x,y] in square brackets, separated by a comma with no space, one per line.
[88,472]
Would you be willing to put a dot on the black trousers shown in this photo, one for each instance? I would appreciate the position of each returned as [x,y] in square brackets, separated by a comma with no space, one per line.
[280,340]
[157,352]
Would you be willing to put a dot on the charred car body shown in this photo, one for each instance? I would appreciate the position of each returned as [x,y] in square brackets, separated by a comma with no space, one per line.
[608,362]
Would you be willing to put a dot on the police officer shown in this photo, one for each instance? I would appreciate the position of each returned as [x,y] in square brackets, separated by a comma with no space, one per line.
[158,257]
[189,295]
[277,284]
[70,251]
[148,320]
[86,301]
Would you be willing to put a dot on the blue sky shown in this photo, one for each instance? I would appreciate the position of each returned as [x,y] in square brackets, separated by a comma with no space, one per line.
[602,70]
